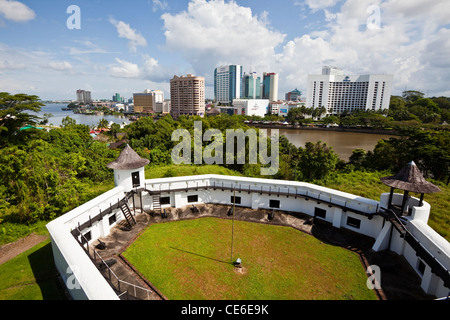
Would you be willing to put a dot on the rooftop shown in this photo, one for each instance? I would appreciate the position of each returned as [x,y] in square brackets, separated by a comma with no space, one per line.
[409,178]
[128,160]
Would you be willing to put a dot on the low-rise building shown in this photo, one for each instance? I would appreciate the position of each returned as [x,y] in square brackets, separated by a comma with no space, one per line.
[251,107]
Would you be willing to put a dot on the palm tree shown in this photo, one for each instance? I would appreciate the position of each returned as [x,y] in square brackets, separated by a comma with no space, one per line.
[103,124]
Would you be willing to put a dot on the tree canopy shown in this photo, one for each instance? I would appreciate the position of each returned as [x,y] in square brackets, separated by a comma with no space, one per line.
[14,114]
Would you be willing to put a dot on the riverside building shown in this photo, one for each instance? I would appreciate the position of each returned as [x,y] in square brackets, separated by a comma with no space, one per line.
[187,95]
[147,101]
[270,86]
[227,83]
[251,86]
[338,92]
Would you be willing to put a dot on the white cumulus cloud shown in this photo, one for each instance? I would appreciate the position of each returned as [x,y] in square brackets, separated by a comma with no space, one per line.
[214,32]
[60,65]
[125,31]
[16,11]
[125,69]
[411,42]
[149,69]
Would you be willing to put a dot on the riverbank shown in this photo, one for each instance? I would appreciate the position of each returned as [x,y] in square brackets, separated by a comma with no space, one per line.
[324,128]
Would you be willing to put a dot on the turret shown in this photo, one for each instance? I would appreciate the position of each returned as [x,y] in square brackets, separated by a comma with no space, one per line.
[129,169]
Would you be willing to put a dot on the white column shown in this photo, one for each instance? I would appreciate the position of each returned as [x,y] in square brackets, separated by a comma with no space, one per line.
[337,217]
[255,200]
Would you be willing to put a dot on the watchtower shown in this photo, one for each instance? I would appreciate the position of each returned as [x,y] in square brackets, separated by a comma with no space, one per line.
[129,169]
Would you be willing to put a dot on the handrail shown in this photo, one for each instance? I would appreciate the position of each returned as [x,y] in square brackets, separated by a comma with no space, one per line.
[270,192]
[110,272]
[421,251]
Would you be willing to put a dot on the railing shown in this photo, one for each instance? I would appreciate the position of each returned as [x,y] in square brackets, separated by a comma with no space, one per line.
[421,251]
[317,196]
[111,276]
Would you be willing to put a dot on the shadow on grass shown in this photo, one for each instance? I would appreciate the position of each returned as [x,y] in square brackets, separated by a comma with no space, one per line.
[201,256]
[45,273]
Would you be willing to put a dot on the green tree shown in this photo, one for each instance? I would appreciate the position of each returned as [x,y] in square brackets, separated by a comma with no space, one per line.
[14,115]
[317,161]
[358,158]
[103,124]
[412,95]
[68,121]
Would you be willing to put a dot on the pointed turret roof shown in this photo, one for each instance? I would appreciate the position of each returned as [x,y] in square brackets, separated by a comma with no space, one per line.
[128,160]
[411,179]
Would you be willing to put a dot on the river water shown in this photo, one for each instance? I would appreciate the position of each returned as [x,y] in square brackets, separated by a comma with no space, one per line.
[343,143]
[90,120]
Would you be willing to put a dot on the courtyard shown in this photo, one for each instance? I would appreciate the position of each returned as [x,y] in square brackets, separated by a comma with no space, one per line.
[288,257]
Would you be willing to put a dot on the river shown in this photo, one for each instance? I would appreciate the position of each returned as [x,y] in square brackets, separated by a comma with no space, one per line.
[91,120]
[343,143]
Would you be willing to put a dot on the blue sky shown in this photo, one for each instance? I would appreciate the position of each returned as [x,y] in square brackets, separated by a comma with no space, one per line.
[130,46]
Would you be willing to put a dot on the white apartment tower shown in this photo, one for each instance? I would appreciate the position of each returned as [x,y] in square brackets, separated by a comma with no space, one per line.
[338,92]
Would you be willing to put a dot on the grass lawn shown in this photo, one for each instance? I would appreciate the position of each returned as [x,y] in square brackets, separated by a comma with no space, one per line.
[192,260]
[186,170]
[31,276]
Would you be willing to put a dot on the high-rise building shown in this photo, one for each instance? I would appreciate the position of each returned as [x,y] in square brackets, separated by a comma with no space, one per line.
[117,98]
[270,86]
[251,86]
[84,96]
[187,96]
[227,83]
[338,92]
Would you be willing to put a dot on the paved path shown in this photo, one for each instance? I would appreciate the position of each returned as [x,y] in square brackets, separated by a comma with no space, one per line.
[11,250]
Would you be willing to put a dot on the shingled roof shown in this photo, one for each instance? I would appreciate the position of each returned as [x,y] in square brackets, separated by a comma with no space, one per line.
[128,160]
[411,179]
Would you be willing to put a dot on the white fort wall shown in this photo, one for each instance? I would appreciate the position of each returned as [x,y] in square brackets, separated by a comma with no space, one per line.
[258,193]
[342,210]
[82,278]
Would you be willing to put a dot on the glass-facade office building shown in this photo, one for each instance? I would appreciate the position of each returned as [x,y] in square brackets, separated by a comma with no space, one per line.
[227,83]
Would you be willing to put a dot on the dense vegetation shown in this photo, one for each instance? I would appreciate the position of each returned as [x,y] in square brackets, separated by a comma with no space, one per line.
[44,174]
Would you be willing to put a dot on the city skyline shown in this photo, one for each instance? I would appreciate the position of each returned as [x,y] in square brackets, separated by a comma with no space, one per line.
[130,46]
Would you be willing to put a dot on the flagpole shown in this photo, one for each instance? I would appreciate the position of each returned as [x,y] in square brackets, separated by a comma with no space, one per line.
[232,224]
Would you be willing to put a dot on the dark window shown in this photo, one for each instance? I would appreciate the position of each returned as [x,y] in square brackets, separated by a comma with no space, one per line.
[164,200]
[136,179]
[321,213]
[352,222]
[421,267]
[193,198]
[274,203]
[238,200]
[86,237]
[112,219]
